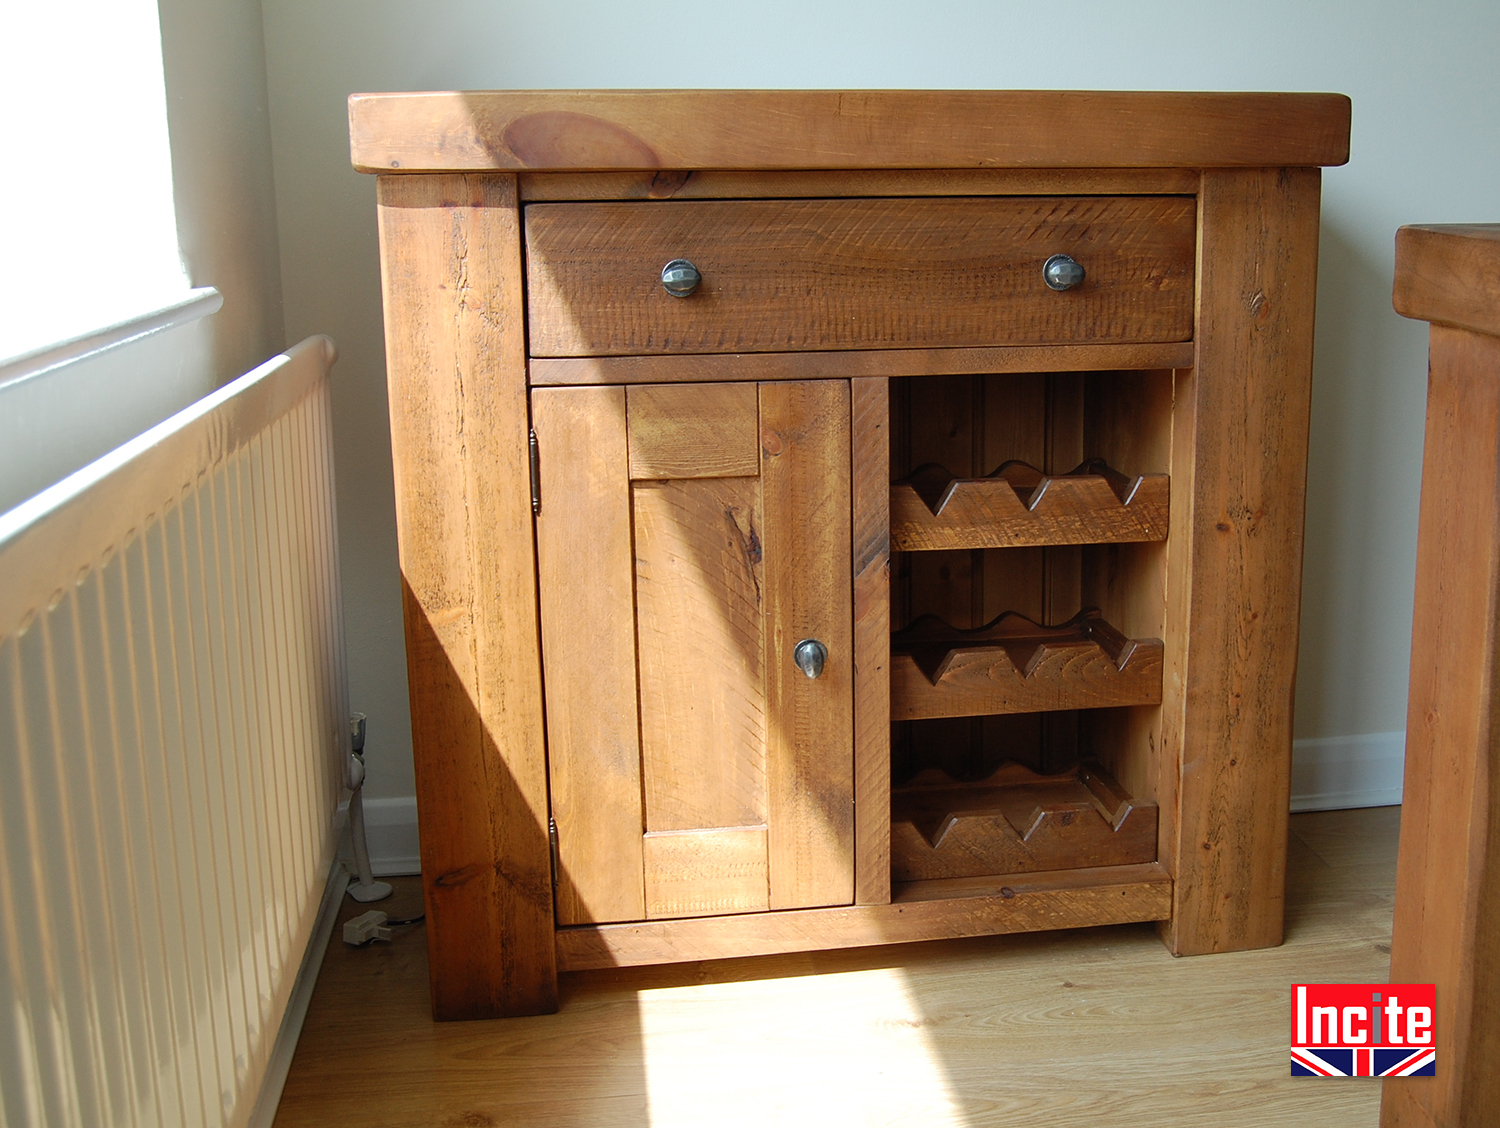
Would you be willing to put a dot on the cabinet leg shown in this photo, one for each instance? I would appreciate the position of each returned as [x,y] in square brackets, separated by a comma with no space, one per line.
[459,442]
[1448,876]
[1239,466]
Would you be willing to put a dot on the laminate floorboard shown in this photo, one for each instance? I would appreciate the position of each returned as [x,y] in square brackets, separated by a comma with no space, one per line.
[1085,1027]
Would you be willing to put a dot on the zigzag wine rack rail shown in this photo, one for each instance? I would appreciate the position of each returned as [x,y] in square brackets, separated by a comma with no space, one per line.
[1019,505]
[1013,665]
[1016,821]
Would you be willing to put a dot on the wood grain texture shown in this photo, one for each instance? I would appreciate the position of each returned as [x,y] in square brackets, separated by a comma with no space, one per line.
[1450,275]
[1016,821]
[1230,718]
[925,910]
[1448,877]
[835,365]
[970,425]
[1164,769]
[1129,423]
[584,561]
[694,431]
[934,510]
[719,184]
[869,442]
[700,626]
[834,129]
[697,873]
[1015,666]
[781,275]
[1062,593]
[808,592]
[451,279]
[1014,425]
[940,424]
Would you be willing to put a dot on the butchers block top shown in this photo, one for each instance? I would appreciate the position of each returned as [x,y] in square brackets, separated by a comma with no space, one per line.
[598,130]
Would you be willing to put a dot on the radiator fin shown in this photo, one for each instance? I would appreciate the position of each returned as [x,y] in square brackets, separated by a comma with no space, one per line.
[173,716]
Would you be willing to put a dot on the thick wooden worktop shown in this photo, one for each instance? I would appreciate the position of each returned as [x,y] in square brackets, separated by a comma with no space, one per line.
[578,130]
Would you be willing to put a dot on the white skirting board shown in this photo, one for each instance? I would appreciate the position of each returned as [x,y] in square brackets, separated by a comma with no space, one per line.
[1332,773]
[1328,774]
[391,831]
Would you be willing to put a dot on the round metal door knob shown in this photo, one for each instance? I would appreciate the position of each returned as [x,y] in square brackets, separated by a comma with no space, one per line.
[1062,272]
[680,278]
[810,655]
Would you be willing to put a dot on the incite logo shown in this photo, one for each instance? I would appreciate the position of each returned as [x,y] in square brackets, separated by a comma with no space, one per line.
[1362,1030]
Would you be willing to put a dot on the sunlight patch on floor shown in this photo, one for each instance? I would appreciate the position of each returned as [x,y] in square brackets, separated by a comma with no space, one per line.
[842,1049]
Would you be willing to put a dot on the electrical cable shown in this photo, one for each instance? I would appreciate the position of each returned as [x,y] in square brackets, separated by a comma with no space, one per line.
[408,920]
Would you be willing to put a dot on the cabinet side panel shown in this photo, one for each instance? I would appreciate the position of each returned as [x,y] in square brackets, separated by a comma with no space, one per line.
[810,721]
[585,563]
[870,460]
[1177,572]
[1448,876]
[455,348]
[1257,278]
[1129,424]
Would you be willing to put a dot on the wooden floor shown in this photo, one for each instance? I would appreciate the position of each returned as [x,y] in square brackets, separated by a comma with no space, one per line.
[1089,1027]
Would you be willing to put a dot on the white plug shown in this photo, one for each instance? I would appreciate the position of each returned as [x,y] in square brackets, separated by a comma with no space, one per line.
[369,926]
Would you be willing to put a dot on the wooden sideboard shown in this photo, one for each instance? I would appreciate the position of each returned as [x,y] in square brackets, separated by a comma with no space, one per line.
[836,518]
[1447,926]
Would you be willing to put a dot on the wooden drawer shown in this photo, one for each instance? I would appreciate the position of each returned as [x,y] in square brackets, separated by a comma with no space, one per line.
[791,275]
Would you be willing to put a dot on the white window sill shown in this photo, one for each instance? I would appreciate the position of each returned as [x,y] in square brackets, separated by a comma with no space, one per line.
[197,303]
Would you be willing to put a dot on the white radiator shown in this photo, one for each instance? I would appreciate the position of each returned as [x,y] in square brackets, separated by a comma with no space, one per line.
[173,721]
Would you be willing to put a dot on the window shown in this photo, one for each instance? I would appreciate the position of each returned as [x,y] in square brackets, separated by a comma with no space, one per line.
[90,234]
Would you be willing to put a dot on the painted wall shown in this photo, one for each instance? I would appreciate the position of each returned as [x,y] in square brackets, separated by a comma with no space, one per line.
[213,55]
[62,420]
[214,65]
[1426,96]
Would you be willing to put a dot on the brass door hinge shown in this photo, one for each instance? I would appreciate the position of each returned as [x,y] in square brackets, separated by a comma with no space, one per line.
[536,473]
[556,853]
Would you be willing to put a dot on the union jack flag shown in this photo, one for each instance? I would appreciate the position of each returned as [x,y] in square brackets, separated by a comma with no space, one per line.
[1322,1061]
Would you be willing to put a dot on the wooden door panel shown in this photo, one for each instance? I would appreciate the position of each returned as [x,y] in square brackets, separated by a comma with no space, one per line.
[699,627]
[693,431]
[810,735]
[588,642]
[706,872]
[689,537]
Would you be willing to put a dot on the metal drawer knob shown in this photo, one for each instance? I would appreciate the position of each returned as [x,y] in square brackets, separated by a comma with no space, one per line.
[680,278]
[810,654]
[1062,272]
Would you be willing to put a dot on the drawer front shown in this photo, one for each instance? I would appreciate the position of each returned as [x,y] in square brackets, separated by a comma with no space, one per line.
[793,275]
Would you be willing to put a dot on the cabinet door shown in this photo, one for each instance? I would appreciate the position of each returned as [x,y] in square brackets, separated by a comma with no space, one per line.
[689,537]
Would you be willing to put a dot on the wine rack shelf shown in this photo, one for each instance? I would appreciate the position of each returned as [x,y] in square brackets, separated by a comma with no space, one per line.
[1017,821]
[1013,665]
[1018,505]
